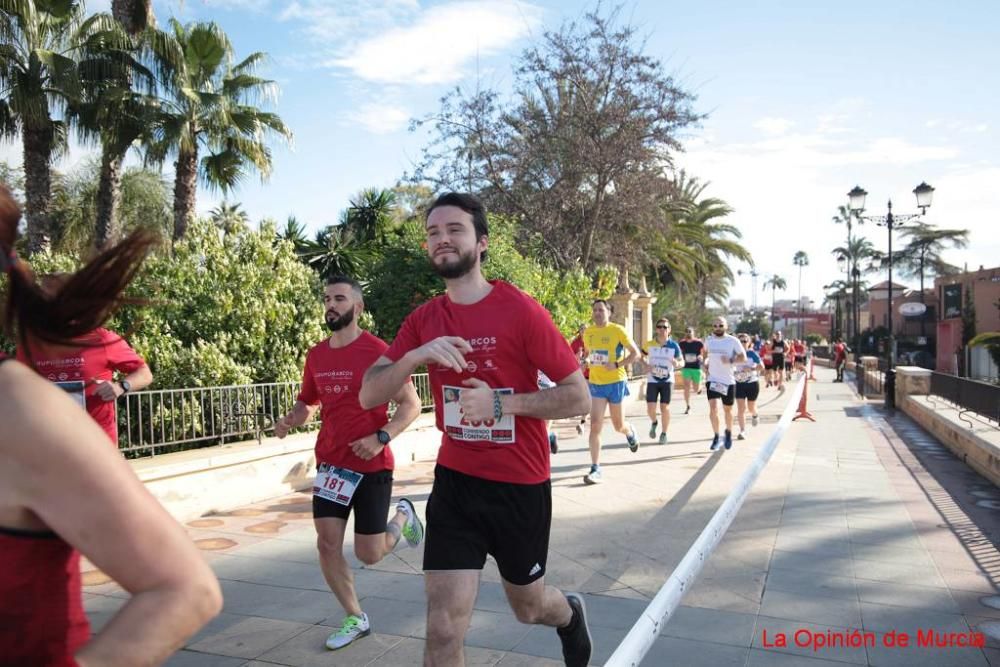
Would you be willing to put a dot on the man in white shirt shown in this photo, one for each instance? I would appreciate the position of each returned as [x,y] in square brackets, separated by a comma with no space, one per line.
[722,351]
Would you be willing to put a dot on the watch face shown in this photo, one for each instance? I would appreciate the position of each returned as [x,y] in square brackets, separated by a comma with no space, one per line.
[383,437]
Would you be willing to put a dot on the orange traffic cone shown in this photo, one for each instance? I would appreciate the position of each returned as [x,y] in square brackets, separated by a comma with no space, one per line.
[803,412]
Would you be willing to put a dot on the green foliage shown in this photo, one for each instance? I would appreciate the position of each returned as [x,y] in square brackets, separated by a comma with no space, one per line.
[754,323]
[813,339]
[229,309]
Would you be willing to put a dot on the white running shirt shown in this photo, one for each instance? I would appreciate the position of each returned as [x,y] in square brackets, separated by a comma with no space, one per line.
[721,352]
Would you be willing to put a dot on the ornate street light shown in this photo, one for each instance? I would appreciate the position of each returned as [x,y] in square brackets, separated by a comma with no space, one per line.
[924,194]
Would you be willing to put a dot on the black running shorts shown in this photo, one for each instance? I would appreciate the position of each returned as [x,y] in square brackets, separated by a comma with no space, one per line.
[370,504]
[659,391]
[470,517]
[728,398]
[748,390]
[779,361]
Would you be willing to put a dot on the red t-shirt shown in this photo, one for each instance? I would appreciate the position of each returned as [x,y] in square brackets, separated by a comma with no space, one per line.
[800,349]
[512,337]
[839,351]
[332,378]
[69,366]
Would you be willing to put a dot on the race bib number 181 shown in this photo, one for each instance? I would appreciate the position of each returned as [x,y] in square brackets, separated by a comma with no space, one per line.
[336,484]
[458,427]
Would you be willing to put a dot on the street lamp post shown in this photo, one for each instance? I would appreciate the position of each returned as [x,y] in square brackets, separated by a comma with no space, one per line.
[924,194]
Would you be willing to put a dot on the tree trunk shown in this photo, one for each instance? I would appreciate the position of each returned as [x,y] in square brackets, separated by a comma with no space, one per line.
[109,195]
[134,15]
[185,191]
[38,187]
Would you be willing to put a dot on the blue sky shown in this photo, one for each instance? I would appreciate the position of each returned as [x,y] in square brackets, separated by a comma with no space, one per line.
[804,100]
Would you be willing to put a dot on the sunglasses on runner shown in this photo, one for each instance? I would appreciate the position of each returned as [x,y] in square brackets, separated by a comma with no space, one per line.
[662,326]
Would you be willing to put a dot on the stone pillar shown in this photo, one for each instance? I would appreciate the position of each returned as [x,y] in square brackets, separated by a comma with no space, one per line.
[912,381]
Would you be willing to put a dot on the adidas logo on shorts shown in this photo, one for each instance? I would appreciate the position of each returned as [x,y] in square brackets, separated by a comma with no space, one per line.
[535,570]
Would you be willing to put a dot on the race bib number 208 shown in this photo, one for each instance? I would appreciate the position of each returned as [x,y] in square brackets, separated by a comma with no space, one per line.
[459,427]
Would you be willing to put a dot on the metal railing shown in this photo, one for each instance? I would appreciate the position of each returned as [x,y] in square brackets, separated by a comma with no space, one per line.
[169,420]
[871,377]
[979,398]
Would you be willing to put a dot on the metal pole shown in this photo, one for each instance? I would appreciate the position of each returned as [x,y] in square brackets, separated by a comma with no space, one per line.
[892,338]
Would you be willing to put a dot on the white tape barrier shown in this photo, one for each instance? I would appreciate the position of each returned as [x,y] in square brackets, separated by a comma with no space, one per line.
[640,638]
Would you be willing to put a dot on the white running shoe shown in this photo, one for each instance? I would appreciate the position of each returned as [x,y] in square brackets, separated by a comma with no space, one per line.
[353,627]
[413,529]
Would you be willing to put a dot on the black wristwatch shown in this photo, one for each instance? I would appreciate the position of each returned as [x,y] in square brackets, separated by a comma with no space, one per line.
[126,386]
[383,437]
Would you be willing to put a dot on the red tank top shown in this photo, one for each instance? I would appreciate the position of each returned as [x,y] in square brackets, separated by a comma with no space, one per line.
[41,616]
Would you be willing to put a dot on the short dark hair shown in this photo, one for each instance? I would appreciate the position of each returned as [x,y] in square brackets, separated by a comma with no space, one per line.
[341,279]
[472,205]
[607,305]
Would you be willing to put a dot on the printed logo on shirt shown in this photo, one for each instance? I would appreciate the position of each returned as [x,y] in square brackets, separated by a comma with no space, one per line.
[535,570]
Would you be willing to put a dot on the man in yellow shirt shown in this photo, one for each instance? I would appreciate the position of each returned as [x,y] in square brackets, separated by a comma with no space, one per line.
[610,350]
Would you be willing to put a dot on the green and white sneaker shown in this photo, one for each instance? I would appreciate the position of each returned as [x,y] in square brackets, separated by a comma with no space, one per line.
[413,529]
[663,438]
[353,627]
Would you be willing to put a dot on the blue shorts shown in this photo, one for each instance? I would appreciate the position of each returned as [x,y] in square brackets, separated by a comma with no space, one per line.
[614,392]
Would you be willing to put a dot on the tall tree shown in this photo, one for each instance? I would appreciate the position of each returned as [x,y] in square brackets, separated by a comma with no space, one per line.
[212,108]
[693,246]
[775,283]
[801,260]
[371,214]
[134,15]
[579,154]
[119,112]
[229,218]
[49,54]
[921,256]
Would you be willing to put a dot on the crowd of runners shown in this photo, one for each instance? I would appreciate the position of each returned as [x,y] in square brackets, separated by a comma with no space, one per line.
[500,372]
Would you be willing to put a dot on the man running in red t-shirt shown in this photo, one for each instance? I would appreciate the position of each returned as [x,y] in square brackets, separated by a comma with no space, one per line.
[87,372]
[483,343]
[353,458]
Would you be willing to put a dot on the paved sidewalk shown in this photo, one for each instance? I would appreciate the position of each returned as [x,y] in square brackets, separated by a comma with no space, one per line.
[859,522]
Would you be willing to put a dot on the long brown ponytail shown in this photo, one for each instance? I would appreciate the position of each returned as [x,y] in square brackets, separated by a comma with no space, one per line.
[83,301]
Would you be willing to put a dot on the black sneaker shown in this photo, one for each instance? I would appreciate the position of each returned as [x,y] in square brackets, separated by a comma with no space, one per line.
[729,439]
[687,409]
[715,443]
[577,644]
[633,442]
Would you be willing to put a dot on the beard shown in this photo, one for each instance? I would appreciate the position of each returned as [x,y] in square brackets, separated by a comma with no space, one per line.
[336,323]
[457,268]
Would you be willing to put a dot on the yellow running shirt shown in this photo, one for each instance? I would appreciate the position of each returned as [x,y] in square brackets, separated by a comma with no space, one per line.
[606,344]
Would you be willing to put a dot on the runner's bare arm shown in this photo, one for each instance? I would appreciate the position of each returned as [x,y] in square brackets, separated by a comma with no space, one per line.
[631,352]
[58,466]
[407,409]
[384,379]
[569,398]
[297,416]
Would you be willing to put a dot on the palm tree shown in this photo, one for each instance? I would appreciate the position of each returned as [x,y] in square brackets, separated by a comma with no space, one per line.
[49,55]
[696,249]
[229,218]
[371,214]
[837,292]
[801,259]
[134,15]
[335,249]
[118,114]
[775,283]
[211,108]
[922,254]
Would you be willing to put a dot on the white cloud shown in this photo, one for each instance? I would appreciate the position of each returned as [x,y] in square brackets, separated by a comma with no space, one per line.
[771,125]
[395,41]
[381,119]
[437,47]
